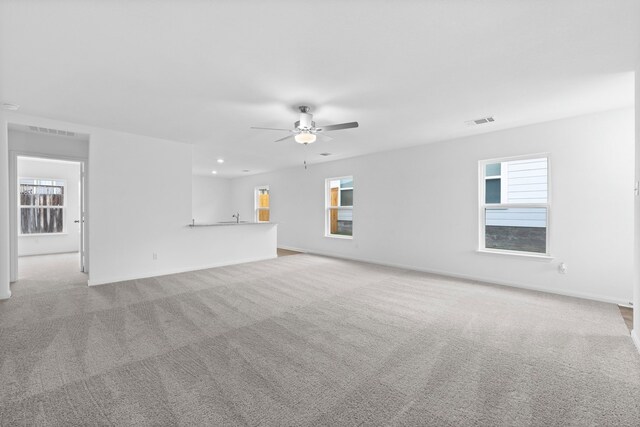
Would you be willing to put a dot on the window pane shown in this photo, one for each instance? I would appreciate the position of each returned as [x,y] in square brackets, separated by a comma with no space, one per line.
[492,190]
[346,183]
[346,197]
[339,199]
[516,229]
[263,215]
[527,181]
[493,169]
[41,195]
[263,199]
[341,222]
[41,220]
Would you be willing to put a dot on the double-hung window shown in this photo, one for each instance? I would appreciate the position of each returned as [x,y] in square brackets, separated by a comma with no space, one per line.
[42,204]
[339,207]
[262,203]
[514,205]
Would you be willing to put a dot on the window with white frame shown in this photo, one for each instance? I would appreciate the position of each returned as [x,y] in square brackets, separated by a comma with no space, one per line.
[514,205]
[339,207]
[42,205]
[262,203]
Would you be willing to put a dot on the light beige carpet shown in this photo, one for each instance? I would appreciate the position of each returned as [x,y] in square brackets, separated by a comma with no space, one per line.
[46,273]
[307,340]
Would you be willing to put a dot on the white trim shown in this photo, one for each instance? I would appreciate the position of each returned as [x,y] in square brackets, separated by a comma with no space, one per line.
[480,279]
[523,254]
[328,207]
[20,206]
[483,206]
[13,202]
[636,339]
[43,234]
[116,279]
[339,236]
[291,248]
[256,200]
[50,253]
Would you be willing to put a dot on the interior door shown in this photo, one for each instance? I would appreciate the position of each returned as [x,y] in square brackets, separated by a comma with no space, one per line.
[82,215]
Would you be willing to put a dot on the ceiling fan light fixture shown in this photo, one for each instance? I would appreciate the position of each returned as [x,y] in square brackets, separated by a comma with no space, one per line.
[305,138]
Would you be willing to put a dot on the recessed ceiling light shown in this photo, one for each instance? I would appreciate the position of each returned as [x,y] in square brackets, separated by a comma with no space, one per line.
[10,107]
[214,172]
[220,160]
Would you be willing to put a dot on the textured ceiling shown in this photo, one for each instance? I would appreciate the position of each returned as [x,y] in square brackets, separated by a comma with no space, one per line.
[411,72]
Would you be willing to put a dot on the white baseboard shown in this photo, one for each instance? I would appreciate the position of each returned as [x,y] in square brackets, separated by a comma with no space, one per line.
[636,339]
[488,280]
[291,248]
[115,279]
[5,295]
[48,253]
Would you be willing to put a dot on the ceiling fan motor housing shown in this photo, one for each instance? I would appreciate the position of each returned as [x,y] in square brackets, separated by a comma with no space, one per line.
[305,121]
[297,125]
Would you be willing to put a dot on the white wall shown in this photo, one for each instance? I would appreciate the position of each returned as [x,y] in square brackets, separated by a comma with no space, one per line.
[140,198]
[5,240]
[69,240]
[418,207]
[636,258]
[139,204]
[54,145]
[211,200]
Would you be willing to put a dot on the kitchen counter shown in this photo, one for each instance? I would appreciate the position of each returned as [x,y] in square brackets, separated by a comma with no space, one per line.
[217,224]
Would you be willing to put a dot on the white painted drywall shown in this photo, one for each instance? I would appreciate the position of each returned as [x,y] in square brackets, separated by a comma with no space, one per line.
[418,207]
[53,145]
[139,204]
[211,200]
[141,197]
[5,243]
[636,255]
[196,248]
[69,240]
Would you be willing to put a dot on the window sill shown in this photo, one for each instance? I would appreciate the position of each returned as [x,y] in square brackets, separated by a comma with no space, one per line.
[337,236]
[42,234]
[541,257]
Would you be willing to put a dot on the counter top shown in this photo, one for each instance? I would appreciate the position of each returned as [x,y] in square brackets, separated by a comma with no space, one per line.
[218,224]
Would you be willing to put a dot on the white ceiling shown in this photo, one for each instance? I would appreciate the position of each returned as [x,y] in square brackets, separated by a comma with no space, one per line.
[411,72]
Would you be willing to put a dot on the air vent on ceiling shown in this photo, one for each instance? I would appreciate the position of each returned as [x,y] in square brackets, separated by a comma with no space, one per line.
[326,154]
[51,131]
[481,121]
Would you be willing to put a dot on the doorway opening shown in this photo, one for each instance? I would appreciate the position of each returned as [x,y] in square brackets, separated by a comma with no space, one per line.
[48,213]
[50,224]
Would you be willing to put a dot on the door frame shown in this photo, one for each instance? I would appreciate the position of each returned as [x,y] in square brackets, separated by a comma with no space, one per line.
[13,205]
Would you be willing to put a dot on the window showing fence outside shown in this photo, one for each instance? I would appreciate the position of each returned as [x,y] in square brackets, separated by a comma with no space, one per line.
[262,204]
[42,203]
[339,207]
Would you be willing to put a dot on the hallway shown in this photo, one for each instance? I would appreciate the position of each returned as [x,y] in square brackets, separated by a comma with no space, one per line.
[45,273]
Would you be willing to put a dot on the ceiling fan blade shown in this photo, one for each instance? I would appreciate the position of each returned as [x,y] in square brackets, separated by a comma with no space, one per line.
[338,127]
[288,130]
[282,139]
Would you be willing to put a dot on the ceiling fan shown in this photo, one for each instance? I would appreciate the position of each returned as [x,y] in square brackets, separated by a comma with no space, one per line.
[305,130]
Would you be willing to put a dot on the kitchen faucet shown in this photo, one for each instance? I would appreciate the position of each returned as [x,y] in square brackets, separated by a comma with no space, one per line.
[237,217]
